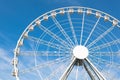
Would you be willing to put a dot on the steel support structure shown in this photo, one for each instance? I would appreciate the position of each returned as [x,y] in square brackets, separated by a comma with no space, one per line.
[92,71]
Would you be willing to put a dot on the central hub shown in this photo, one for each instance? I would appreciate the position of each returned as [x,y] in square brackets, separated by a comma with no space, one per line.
[80,52]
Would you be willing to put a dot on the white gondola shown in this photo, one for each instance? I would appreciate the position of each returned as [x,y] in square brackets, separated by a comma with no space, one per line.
[62,11]
[15,61]
[45,17]
[71,10]
[21,42]
[53,14]
[15,72]
[89,11]
[115,22]
[98,14]
[80,10]
[17,51]
[31,28]
[106,18]
[37,22]
[25,35]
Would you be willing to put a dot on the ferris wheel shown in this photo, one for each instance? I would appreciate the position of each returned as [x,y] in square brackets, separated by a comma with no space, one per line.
[69,43]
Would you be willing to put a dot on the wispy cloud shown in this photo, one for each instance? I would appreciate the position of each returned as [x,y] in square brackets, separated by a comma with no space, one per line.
[5,62]
[4,55]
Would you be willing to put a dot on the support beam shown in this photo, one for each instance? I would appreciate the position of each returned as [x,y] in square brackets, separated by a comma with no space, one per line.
[99,75]
[88,71]
[68,70]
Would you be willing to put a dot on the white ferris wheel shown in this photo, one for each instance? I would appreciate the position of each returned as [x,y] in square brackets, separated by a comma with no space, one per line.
[69,43]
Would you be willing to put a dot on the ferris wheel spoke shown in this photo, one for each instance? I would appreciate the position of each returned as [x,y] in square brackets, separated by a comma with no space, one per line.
[104,53]
[114,42]
[50,44]
[58,70]
[39,74]
[100,37]
[72,28]
[63,31]
[98,62]
[103,61]
[82,29]
[92,30]
[44,53]
[54,73]
[68,70]
[114,65]
[108,64]
[54,36]
[47,64]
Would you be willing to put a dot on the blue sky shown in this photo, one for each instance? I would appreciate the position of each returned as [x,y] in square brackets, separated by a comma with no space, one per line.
[15,15]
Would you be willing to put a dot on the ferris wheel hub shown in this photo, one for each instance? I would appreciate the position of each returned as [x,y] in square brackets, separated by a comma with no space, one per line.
[80,52]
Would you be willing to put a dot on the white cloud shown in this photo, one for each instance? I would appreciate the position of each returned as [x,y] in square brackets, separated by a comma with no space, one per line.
[5,65]
[4,55]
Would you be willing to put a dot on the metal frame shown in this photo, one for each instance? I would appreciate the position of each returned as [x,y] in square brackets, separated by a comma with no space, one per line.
[86,62]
